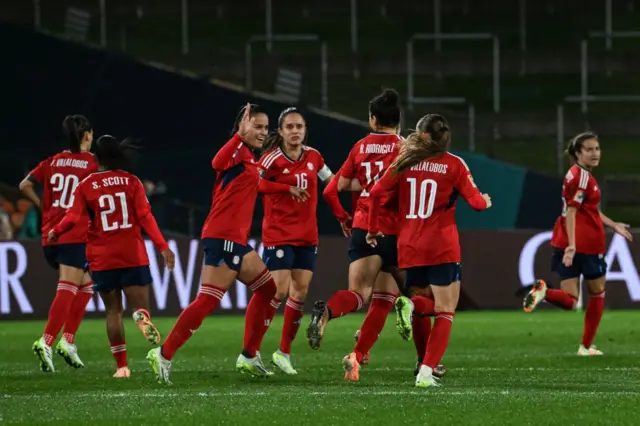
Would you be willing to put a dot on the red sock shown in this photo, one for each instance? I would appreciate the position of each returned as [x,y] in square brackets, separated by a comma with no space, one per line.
[592,316]
[191,318]
[421,330]
[255,319]
[59,310]
[381,304]
[119,352]
[293,312]
[76,312]
[344,302]
[439,339]
[423,305]
[561,299]
[271,312]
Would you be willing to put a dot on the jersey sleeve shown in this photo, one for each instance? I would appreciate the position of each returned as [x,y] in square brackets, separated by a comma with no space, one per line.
[388,182]
[38,174]
[332,198]
[266,165]
[145,217]
[575,188]
[349,169]
[229,155]
[74,214]
[467,188]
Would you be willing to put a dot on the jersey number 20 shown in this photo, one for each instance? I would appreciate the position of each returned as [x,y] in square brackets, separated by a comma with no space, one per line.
[425,197]
[66,185]
[108,206]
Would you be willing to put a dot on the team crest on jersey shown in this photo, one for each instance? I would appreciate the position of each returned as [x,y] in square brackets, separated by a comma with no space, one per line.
[286,172]
[309,166]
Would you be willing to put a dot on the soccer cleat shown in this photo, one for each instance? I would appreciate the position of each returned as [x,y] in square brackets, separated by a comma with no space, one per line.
[366,357]
[535,296]
[319,319]
[438,372]
[122,373]
[44,354]
[283,362]
[404,311]
[351,368]
[69,352]
[592,351]
[425,378]
[145,325]
[252,366]
[161,367]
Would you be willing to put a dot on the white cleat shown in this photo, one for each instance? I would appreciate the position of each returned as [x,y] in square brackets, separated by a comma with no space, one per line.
[283,362]
[535,296]
[44,354]
[592,351]
[161,367]
[69,352]
[425,378]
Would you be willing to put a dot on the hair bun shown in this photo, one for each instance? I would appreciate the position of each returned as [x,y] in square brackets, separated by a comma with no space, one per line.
[389,97]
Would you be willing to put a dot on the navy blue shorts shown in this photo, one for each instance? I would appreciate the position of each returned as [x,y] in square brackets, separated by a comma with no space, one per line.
[290,257]
[440,275]
[217,251]
[74,255]
[591,266]
[116,279]
[387,248]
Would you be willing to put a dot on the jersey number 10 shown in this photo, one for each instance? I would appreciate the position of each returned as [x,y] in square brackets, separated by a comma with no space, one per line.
[425,196]
[108,207]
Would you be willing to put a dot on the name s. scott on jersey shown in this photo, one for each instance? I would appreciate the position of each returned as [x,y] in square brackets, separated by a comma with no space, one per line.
[111,181]
[427,166]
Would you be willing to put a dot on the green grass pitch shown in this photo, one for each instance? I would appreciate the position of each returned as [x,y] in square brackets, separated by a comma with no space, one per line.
[506,368]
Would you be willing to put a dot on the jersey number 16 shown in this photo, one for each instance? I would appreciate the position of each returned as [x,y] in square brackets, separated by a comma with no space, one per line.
[108,207]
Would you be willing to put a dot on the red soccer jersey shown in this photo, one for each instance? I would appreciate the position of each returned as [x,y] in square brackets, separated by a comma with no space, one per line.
[581,190]
[287,221]
[234,193]
[427,193]
[60,175]
[116,202]
[368,160]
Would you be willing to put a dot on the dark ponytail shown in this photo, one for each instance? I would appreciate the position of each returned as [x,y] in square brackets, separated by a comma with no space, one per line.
[385,107]
[74,127]
[113,154]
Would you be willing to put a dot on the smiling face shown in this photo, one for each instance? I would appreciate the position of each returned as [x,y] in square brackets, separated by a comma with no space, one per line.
[588,154]
[293,129]
[258,131]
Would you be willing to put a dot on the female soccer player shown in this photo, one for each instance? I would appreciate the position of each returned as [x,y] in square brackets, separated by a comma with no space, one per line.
[60,175]
[116,202]
[578,241]
[368,159]
[426,179]
[227,253]
[290,228]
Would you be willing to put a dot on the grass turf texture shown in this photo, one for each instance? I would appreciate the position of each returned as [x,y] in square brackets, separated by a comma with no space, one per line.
[507,368]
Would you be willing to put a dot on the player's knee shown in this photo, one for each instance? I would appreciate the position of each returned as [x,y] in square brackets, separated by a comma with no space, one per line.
[596,286]
[299,293]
